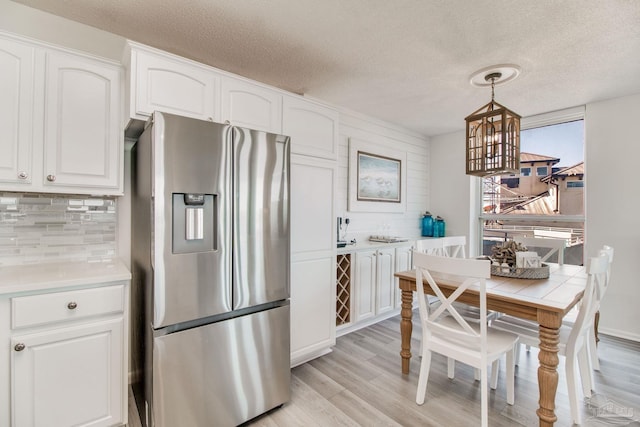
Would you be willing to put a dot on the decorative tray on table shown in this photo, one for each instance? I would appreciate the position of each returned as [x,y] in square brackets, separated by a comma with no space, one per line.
[521,273]
[511,259]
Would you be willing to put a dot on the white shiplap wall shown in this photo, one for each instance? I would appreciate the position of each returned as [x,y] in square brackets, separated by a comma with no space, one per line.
[386,136]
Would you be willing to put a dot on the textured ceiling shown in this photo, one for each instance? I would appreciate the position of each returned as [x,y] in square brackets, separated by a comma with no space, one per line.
[404,61]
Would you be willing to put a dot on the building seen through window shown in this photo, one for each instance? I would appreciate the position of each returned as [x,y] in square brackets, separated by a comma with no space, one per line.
[546,199]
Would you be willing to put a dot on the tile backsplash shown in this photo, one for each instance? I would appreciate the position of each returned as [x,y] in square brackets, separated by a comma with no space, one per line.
[38,228]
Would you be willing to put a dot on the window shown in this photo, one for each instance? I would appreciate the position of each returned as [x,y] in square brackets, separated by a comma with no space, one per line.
[552,201]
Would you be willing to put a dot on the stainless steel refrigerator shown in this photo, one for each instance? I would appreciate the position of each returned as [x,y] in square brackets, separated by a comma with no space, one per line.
[210,264]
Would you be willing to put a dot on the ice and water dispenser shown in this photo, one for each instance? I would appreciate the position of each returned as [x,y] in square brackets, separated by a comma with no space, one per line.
[193,222]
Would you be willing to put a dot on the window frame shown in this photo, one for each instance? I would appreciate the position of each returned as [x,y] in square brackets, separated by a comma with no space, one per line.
[541,120]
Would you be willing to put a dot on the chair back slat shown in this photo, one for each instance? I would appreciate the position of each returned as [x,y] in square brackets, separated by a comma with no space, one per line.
[430,246]
[590,303]
[608,252]
[555,245]
[465,273]
[455,246]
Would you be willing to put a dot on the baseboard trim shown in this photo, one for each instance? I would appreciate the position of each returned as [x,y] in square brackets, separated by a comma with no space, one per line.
[619,334]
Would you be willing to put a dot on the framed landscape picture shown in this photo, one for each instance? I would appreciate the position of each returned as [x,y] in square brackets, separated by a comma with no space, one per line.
[377,178]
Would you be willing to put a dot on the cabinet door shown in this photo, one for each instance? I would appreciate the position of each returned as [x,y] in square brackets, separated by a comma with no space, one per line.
[312,212]
[403,263]
[385,283]
[313,306]
[69,377]
[16,111]
[174,87]
[251,106]
[313,128]
[365,285]
[83,138]
[313,255]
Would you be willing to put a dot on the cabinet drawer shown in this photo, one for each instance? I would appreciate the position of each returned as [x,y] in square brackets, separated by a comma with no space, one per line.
[60,306]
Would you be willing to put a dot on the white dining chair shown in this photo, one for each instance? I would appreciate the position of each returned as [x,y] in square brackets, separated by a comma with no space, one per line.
[430,246]
[475,344]
[570,318]
[455,247]
[554,246]
[574,339]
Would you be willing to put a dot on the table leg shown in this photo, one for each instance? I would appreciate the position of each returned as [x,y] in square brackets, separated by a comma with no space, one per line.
[406,328]
[548,370]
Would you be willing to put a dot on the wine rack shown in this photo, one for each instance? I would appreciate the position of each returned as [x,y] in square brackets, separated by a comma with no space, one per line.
[343,289]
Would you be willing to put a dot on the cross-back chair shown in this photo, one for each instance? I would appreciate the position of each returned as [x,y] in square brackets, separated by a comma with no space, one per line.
[473,343]
[554,245]
[573,340]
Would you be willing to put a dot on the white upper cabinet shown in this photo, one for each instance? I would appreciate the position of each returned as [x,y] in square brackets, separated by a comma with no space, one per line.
[82,117]
[172,85]
[250,105]
[16,111]
[60,116]
[313,128]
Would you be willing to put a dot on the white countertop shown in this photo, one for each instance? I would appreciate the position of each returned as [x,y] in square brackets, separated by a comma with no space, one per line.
[32,277]
[368,245]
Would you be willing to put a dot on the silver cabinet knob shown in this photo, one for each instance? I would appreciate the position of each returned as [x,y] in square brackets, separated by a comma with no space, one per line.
[72,305]
[51,178]
[19,347]
[23,175]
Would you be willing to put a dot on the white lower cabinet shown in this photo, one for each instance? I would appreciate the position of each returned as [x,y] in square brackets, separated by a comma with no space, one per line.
[312,308]
[374,283]
[368,289]
[69,377]
[67,357]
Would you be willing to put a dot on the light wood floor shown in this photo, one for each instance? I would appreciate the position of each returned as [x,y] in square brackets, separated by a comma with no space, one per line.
[360,384]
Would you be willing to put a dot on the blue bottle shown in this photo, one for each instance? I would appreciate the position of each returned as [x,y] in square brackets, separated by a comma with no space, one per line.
[427,225]
[438,227]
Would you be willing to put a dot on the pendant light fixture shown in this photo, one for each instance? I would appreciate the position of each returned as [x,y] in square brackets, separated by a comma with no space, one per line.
[493,132]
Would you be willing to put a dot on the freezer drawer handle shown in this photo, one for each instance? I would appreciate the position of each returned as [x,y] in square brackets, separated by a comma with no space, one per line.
[19,347]
[72,305]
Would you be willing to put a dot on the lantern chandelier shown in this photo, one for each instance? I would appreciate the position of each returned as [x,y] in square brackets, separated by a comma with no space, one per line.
[493,131]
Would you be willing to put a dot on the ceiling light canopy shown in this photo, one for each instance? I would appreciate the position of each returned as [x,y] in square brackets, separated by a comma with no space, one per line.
[493,131]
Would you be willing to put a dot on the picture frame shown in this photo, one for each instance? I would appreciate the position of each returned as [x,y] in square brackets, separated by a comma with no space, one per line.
[377,178]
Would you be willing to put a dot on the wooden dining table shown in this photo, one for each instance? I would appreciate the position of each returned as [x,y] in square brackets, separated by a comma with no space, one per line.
[545,301]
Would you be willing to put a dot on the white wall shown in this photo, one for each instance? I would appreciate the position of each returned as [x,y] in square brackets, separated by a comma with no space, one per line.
[388,137]
[612,202]
[451,195]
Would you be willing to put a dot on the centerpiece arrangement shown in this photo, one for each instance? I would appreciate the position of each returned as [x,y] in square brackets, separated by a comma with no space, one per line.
[512,259]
